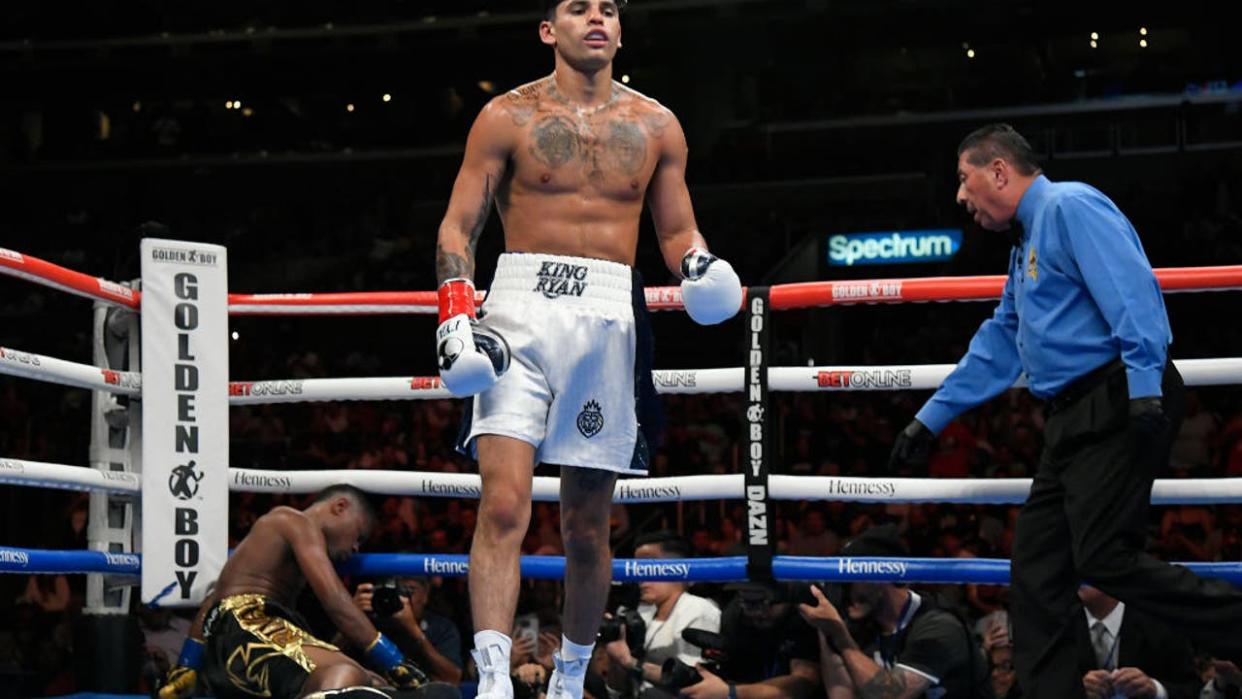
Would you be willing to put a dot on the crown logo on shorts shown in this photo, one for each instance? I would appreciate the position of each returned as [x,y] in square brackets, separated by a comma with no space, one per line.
[591,419]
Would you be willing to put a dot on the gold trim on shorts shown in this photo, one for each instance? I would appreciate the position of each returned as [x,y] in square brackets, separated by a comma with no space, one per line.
[246,665]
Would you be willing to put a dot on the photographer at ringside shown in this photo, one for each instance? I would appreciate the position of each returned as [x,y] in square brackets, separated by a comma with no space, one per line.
[769,651]
[398,607]
[897,642]
[665,609]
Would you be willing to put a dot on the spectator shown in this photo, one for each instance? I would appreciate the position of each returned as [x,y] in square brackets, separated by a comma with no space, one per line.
[1126,653]
[430,640]
[1192,446]
[667,610]
[1225,681]
[812,537]
[917,647]
[770,651]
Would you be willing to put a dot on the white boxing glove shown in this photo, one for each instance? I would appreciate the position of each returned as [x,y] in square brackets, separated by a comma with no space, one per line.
[471,356]
[711,290]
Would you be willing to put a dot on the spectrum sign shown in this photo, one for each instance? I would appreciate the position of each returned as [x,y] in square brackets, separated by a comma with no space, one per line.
[893,247]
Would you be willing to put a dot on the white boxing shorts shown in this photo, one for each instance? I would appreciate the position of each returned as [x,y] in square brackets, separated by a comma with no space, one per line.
[576,375]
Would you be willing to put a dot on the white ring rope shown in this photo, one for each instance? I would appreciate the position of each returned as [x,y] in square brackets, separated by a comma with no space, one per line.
[997,491]
[64,477]
[52,370]
[1196,372]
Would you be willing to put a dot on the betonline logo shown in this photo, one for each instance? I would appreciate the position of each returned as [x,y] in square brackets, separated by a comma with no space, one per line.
[125,379]
[292,387]
[871,378]
[656,569]
[9,354]
[675,379]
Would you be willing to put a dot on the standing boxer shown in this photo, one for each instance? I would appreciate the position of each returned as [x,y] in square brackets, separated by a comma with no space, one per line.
[558,360]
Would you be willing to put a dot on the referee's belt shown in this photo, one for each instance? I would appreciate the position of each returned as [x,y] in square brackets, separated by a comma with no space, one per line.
[1083,385]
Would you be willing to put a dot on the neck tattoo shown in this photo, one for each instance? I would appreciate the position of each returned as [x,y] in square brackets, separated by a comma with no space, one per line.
[581,110]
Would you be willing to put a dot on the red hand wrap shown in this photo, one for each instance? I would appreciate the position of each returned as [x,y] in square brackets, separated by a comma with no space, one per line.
[456,297]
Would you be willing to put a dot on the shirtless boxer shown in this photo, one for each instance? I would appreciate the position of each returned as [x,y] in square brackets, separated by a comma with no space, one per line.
[560,349]
[246,639]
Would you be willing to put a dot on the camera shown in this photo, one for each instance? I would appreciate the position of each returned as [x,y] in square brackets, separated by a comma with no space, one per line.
[635,630]
[386,599]
[675,674]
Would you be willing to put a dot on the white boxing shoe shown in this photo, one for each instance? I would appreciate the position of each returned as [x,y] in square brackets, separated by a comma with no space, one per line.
[568,677]
[494,680]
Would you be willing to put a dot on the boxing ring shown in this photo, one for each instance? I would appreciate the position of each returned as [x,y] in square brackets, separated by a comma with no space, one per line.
[114,560]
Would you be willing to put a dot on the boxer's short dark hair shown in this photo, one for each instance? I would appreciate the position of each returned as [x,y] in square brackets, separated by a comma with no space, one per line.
[549,6]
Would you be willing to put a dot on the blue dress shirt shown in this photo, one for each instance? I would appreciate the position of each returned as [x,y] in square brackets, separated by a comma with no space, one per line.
[1080,293]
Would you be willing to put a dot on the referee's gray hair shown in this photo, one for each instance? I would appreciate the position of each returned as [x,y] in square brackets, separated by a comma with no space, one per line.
[987,143]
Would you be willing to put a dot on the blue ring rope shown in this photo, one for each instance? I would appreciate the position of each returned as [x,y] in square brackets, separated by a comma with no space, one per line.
[982,571]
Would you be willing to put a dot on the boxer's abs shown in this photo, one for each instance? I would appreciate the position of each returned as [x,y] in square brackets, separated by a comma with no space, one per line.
[564,225]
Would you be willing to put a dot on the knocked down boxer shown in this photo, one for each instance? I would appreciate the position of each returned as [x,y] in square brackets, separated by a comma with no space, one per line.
[247,641]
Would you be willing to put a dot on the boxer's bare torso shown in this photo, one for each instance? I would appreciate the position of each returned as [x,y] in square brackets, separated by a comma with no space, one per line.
[569,179]
[264,562]
[577,177]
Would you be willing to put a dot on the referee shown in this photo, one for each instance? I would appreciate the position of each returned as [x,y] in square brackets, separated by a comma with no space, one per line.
[1082,315]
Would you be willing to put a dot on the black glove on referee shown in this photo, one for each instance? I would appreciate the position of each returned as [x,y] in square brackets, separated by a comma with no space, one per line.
[913,445]
[1149,413]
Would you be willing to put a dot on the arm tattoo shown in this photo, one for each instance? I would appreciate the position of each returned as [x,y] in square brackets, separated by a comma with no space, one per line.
[885,684]
[480,221]
[450,265]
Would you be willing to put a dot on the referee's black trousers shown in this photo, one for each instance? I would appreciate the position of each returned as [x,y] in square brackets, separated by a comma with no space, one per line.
[1086,521]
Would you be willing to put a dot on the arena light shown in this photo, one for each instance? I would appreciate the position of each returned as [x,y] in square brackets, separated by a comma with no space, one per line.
[247,112]
[1095,36]
[234,335]
[1142,43]
[970,53]
[228,104]
[625,79]
[487,86]
[387,97]
[137,106]
[1142,31]
[349,108]
[1094,44]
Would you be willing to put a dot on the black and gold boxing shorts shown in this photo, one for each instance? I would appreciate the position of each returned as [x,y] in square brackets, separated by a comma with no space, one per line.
[255,648]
